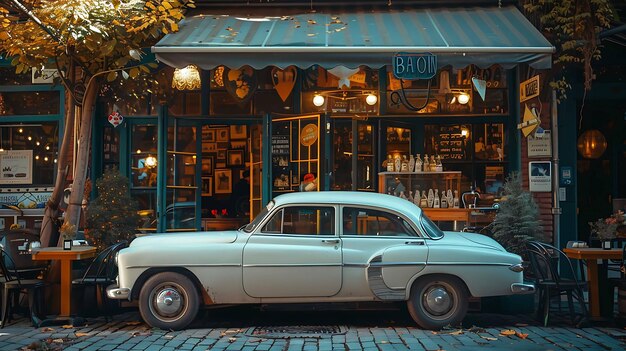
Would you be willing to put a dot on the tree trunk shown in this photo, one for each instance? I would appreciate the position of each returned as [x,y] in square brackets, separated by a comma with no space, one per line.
[49,229]
[72,214]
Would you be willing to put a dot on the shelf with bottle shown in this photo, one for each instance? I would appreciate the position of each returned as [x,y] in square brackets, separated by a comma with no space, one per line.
[413,164]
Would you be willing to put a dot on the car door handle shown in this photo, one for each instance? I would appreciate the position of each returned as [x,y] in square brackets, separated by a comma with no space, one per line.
[414,243]
[330,241]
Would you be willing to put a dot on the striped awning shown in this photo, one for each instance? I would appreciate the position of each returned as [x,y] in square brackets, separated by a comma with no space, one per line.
[458,36]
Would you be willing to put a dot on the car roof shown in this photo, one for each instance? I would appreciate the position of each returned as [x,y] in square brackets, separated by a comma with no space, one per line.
[349,198]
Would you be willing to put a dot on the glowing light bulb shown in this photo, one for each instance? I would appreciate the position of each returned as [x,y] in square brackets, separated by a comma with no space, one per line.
[30,138]
[463,98]
[318,100]
[371,99]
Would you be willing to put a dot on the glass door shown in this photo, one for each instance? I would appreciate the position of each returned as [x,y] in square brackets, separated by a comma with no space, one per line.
[295,152]
[182,191]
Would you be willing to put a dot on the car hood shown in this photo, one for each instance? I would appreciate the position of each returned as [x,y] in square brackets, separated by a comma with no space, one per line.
[475,239]
[187,239]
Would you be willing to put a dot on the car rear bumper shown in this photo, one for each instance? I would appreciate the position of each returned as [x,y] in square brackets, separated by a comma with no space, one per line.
[522,288]
[117,293]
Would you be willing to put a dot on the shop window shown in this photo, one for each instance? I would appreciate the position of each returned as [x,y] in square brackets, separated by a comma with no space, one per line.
[451,142]
[144,156]
[269,101]
[28,153]
[110,147]
[398,142]
[318,78]
[186,103]
[342,155]
[9,77]
[222,103]
[29,103]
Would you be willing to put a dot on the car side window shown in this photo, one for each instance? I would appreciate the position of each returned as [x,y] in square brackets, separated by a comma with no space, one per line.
[303,220]
[366,221]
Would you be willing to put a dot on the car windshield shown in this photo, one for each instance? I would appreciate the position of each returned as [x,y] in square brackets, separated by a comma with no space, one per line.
[250,227]
[431,228]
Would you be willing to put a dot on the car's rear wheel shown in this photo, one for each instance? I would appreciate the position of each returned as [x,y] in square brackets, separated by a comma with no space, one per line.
[438,301]
[169,300]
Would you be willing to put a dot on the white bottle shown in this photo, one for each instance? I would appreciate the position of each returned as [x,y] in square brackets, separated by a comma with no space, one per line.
[404,166]
[418,164]
[444,199]
[410,197]
[450,198]
[397,164]
[411,164]
[424,200]
[402,196]
[417,197]
[456,199]
[432,163]
[438,165]
[390,163]
[436,203]
[431,198]
[426,163]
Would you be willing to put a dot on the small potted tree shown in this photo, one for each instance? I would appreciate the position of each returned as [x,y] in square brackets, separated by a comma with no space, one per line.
[516,223]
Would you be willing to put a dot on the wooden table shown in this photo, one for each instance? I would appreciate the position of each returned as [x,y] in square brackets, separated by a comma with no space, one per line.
[592,255]
[65,257]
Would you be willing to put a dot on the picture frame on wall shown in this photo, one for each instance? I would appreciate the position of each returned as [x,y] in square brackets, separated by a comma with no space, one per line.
[223,181]
[208,164]
[235,157]
[238,144]
[209,147]
[222,134]
[238,131]
[221,155]
[207,186]
[208,134]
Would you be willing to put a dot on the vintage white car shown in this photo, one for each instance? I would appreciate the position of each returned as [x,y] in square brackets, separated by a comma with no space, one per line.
[318,247]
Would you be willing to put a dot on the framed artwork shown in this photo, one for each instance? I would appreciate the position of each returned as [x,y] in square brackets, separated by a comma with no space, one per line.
[221,155]
[220,164]
[208,163]
[207,186]
[209,147]
[222,134]
[238,132]
[241,144]
[235,157]
[223,181]
[208,134]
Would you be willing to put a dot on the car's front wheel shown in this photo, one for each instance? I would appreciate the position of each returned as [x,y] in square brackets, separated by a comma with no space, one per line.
[438,301]
[169,300]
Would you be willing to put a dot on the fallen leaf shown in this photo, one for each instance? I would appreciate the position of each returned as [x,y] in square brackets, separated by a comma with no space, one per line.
[140,333]
[521,324]
[78,335]
[169,336]
[384,342]
[46,329]
[232,340]
[67,326]
[507,332]
[521,335]
[490,338]
[256,340]
[58,341]
[133,323]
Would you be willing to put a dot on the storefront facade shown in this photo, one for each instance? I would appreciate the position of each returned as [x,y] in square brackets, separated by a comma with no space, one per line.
[282,97]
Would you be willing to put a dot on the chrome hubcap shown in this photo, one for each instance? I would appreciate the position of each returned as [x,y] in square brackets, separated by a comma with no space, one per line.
[168,302]
[437,300]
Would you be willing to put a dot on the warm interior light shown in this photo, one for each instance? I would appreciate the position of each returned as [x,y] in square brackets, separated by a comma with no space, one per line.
[371,99]
[463,98]
[591,144]
[187,78]
[318,100]
[464,132]
[151,161]
[138,151]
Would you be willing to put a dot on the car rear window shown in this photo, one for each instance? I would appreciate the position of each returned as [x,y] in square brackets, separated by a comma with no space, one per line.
[431,228]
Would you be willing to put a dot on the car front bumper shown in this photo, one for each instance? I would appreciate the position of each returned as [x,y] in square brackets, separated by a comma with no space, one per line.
[522,288]
[117,293]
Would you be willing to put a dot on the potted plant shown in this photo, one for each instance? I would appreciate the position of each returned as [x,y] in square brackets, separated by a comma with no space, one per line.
[516,223]
[112,217]
[607,229]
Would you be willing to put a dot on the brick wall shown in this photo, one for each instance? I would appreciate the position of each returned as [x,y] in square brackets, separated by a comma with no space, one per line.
[543,200]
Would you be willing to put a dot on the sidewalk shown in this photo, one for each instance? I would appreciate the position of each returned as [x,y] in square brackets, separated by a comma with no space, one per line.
[248,330]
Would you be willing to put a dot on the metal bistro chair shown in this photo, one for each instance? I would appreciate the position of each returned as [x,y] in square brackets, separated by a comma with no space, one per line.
[13,286]
[100,273]
[550,284]
[620,284]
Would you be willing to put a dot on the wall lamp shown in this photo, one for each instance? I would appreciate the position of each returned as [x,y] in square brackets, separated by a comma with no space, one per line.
[320,98]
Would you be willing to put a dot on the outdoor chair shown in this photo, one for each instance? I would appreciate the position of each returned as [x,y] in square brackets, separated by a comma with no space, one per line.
[620,284]
[13,286]
[551,284]
[100,273]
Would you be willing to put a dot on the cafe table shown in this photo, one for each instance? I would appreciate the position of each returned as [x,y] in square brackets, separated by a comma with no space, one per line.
[597,280]
[65,257]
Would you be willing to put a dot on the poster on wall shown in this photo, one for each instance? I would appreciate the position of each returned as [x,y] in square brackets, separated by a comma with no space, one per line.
[16,167]
[540,147]
[540,176]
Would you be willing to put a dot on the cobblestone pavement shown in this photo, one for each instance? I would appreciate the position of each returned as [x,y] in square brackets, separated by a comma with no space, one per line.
[248,329]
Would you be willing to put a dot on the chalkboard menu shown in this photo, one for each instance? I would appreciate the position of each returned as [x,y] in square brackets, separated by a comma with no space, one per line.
[280,145]
[450,142]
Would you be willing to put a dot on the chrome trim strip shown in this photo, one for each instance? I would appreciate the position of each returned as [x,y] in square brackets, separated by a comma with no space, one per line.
[356,265]
[187,265]
[294,265]
[396,264]
[467,264]
[377,284]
